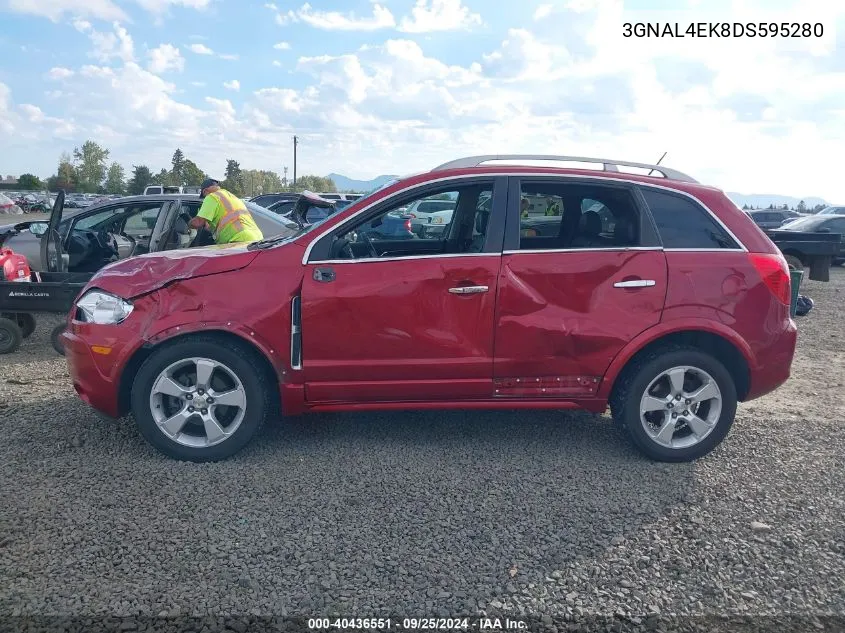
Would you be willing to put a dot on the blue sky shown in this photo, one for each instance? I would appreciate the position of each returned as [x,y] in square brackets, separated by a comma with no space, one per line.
[397,86]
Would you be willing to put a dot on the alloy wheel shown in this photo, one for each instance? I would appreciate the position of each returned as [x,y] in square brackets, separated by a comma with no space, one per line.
[681,407]
[198,402]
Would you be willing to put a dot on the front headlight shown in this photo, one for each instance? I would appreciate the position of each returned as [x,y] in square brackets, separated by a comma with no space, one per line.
[102,308]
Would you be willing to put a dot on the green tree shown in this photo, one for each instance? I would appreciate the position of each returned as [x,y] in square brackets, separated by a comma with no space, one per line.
[191,174]
[30,182]
[234,178]
[141,177]
[802,207]
[115,179]
[177,170]
[90,163]
[317,184]
[258,181]
[161,178]
[65,177]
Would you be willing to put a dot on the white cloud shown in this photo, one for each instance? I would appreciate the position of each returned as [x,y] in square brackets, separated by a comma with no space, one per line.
[439,15]
[198,84]
[740,114]
[96,71]
[200,49]
[165,58]
[57,127]
[59,73]
[381,18]
[232,85]
[83,26]
[282,46]
[284,98]
[161,6]
[108,45]
[543,11]
[56,9]
[107,10]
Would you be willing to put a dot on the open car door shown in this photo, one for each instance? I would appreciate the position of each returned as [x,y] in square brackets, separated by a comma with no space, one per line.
[311,209]
[53,257]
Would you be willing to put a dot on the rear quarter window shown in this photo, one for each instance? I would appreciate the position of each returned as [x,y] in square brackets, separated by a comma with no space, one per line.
[683,223]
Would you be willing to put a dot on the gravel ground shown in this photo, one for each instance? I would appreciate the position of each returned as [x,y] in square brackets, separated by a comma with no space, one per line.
[546,515]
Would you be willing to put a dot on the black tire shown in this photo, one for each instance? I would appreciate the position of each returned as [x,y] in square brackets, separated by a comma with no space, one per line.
[26,322]
[56,341]
[635,379]
[10,336]
[240,359]
[794,262]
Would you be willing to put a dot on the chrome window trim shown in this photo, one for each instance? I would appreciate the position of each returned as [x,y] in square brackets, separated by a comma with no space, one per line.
[370,260]
[619,249]
[521,175]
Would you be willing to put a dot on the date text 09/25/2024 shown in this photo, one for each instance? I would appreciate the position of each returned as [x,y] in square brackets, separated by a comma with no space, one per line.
[416,624]
[723,29]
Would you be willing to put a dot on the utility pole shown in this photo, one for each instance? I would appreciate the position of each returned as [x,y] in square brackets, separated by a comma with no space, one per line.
[295,143]
[285,168]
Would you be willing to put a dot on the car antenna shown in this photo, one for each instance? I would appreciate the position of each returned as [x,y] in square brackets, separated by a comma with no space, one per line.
[658,162]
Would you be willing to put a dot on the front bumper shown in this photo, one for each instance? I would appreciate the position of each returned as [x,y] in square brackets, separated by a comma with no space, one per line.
[96,356]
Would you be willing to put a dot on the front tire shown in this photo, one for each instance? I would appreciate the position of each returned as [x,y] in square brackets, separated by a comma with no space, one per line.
[10,336]
[201,399]
[676,404]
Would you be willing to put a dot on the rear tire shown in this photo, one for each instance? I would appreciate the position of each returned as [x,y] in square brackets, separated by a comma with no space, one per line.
[794,262]
[154,408]
[55,341]
[698,426]
[10,336]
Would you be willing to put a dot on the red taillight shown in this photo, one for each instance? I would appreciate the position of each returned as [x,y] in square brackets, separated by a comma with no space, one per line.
[775,274]
[407,225]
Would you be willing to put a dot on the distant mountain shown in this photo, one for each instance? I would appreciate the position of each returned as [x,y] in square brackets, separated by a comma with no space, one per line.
[349,184]
[763,200]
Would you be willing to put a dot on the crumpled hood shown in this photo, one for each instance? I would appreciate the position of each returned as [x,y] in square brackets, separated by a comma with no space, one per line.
[142,274]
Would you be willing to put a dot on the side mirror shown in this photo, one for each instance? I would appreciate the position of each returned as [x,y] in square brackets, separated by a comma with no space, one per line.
[38,228]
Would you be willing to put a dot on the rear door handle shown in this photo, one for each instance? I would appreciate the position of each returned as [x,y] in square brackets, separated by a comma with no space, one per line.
[635,283]
[469,290]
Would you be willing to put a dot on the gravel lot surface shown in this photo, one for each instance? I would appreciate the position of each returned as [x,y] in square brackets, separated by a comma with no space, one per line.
[548,515]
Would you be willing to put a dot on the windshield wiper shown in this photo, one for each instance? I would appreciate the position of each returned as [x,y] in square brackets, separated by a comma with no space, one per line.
[272,241]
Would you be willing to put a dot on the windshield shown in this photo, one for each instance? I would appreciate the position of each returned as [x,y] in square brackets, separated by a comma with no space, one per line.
[281,239]
[803,224]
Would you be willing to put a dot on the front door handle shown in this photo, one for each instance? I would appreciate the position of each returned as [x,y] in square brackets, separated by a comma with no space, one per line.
[635,283]
[469,290]
[324,275]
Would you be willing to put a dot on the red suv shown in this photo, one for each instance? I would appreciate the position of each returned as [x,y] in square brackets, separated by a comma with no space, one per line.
[548,288]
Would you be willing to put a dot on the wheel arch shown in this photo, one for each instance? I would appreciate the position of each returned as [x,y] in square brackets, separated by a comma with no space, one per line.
[728,349]
[130,370]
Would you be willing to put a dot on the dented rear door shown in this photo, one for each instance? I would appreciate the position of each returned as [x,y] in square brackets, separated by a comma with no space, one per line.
[564,312]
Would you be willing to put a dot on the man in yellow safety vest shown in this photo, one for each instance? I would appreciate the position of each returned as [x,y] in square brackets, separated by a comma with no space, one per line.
[225,215]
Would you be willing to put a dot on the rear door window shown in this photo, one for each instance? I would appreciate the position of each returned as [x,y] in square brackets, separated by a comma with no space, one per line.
[684,224]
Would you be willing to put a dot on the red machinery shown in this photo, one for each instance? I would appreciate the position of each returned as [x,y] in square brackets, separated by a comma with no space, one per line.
[14,266]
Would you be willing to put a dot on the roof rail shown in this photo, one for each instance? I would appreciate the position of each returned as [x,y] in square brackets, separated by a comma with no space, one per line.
[609,165]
